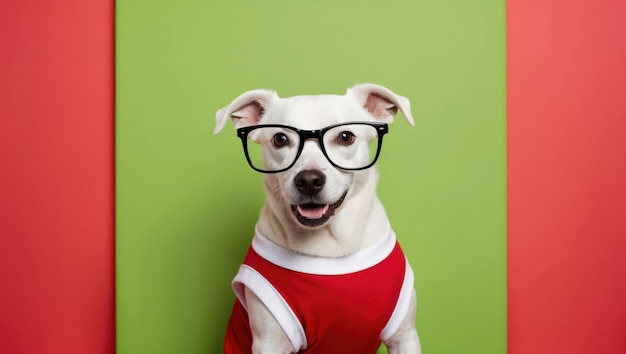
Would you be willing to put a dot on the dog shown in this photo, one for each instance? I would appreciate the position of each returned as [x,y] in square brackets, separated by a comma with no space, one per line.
[324,272]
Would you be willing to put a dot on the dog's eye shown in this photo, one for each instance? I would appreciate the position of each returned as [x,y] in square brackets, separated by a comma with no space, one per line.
[346,138]
[280,139]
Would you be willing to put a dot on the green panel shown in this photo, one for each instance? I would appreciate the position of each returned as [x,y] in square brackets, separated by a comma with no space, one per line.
[187,201]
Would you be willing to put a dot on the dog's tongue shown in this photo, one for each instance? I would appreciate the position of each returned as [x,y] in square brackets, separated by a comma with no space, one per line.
[312,211]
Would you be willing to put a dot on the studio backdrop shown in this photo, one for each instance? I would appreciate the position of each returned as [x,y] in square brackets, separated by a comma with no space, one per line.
[126,218]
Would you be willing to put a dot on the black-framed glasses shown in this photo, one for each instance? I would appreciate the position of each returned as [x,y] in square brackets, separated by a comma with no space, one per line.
[348,146]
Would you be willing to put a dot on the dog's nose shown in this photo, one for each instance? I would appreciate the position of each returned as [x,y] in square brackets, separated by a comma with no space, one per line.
[310,182]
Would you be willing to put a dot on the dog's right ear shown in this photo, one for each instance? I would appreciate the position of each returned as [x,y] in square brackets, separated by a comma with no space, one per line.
[245,110]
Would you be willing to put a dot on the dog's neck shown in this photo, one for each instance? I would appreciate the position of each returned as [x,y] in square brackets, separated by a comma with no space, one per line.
[359,223]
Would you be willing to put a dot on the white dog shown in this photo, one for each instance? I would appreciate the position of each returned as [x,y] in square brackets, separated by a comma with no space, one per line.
[324,273]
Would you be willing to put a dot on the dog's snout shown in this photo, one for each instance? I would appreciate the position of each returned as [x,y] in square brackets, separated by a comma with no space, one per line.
[310,182]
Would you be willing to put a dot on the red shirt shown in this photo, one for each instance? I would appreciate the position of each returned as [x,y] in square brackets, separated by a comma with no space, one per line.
[324,305]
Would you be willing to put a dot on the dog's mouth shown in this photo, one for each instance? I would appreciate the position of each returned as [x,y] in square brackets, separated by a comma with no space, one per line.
[312,214]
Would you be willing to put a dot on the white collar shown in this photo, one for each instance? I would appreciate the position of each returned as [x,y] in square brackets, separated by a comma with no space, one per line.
[360,260]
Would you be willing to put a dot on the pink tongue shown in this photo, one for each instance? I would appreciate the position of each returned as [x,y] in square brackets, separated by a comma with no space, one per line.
[313,213]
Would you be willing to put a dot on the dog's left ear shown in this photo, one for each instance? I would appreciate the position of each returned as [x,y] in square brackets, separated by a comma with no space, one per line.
[381,102]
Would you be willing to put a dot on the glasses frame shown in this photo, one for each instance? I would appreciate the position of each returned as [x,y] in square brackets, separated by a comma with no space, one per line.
[318,134]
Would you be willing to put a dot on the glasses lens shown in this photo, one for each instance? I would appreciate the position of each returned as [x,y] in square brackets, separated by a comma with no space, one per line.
[272,148]
[352,146]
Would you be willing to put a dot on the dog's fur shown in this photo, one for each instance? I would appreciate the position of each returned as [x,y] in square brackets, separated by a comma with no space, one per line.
[357,223]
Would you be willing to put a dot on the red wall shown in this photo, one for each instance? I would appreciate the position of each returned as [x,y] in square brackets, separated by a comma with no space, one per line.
[56,177]
[566,176]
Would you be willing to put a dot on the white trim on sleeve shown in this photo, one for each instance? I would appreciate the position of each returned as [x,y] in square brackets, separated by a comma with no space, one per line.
[261,287]
[402,306]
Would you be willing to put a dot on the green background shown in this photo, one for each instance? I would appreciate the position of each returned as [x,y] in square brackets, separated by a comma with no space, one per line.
[187,202]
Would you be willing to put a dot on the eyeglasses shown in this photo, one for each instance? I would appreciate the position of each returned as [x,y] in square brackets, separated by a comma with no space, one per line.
[348,146]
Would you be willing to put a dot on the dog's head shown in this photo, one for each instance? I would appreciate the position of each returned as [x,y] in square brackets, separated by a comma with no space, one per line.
[317,151]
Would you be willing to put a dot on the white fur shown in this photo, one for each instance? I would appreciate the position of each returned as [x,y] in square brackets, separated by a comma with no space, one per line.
[358,223]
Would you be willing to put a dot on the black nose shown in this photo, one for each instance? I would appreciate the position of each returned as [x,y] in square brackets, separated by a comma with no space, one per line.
[310,182]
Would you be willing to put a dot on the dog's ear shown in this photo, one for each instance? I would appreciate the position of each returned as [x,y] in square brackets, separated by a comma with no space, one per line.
[381,102]
[245,110]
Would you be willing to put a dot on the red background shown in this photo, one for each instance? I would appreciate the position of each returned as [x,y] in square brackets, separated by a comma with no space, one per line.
[566,116]
[566,176]
[56,177]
